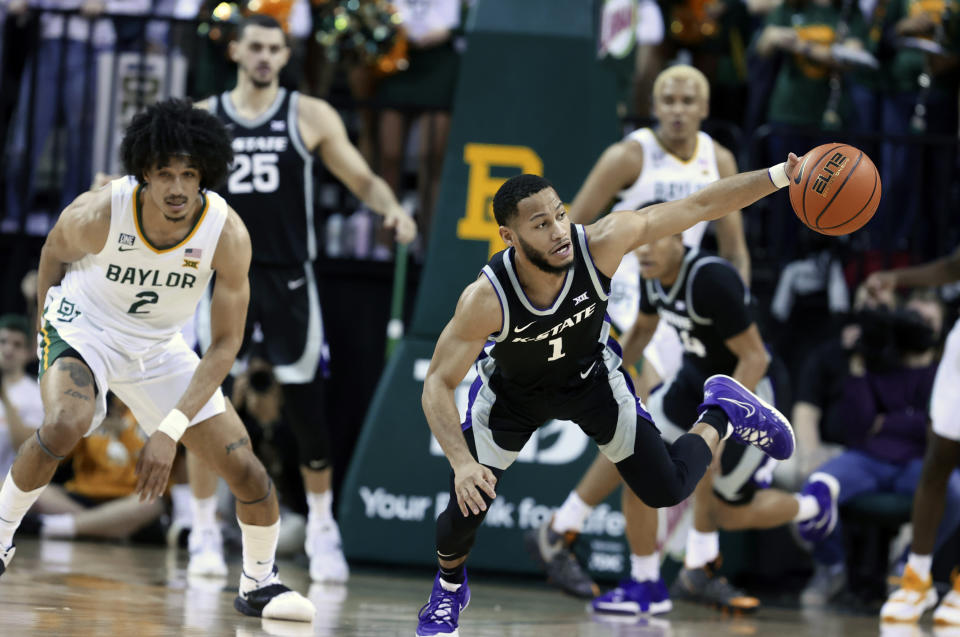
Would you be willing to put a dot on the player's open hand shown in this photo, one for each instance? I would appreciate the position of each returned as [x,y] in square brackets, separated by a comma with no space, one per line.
[468,481]
[403,226]
[793,165]
[153,466]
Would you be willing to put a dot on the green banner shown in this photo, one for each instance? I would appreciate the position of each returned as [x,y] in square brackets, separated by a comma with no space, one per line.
[531,97]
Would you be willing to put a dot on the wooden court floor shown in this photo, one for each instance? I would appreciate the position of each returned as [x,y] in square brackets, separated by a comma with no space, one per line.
[81,588]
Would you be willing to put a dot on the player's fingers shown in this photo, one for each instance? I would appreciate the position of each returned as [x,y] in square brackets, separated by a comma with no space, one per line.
[472,499]
[462,504]
[487,486]
[477,497]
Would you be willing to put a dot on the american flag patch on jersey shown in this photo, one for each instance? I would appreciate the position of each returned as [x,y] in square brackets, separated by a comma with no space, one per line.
[192,253]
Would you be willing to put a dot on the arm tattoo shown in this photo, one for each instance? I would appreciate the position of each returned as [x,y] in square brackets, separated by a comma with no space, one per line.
[79,373]
[236,445]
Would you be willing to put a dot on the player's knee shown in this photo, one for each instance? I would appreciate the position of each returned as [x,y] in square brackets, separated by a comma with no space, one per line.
[247,478]
[62,430]
[659,496]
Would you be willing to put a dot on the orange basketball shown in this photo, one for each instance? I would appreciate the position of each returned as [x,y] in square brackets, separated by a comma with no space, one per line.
[836,189]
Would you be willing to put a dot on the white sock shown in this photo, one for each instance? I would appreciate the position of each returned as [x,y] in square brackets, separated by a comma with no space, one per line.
[809,507]
[182,503]
[645,568]
[571,515]
[449,586]
[14,504]
[259,551]
[320,507]
[920,564]
[702,548]
[204,512]
[62,525]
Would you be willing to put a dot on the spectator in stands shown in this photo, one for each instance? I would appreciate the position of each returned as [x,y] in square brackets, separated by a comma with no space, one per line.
[714,34]
[803,31]
[922,99]
[21,412]
[59,82]
[884,401]
[427,84]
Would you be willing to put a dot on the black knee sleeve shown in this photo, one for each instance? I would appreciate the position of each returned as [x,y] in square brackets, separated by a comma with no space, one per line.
[663,475]
[304,407]
[456,533]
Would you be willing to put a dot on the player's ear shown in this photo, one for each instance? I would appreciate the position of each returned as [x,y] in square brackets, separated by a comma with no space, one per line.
[507,235]
[233,50]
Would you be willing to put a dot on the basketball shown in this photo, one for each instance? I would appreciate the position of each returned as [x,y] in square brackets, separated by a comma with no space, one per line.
[836,189]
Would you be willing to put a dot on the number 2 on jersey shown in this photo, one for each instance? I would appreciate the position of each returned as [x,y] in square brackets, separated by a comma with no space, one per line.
[263,168]
[146,298]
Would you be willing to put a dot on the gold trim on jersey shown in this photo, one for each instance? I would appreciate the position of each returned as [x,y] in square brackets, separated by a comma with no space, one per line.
[696,149]
[137,222]
[46,345]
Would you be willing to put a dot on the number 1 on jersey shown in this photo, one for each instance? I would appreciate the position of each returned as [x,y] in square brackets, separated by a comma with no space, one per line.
[557,345]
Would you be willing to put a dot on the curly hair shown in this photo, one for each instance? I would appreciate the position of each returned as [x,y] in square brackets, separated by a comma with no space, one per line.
[173,128]
[512,192]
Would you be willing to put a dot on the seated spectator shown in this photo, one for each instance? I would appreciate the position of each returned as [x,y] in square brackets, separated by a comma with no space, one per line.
[21,412]
[884,399]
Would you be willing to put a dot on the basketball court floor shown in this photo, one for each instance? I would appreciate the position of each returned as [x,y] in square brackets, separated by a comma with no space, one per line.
[81,588]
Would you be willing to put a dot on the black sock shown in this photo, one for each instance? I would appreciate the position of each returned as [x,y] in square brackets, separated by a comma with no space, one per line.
[716,418]
[454,574]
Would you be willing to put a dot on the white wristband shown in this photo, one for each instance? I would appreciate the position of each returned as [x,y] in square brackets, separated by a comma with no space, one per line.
[778,175]
[174,424]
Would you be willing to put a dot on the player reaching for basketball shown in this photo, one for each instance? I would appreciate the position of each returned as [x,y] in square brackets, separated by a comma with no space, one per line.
[120,273]
[916,593]
[667,162]
[542,303]
[276,136]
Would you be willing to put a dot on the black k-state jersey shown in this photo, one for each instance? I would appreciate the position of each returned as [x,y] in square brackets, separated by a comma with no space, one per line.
[271,180]
[706,305]
[556,347]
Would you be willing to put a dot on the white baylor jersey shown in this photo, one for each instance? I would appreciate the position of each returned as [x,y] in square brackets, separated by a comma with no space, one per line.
[666,177]
[138,294]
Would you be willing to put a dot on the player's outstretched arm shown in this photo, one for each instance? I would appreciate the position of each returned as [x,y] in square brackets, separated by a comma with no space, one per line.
[618,167]
[81,230]
[342,158]
[478,315]
[939,272]
[620,232]
[228,314]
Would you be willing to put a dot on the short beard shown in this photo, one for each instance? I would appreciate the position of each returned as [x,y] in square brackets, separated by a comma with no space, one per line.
[539,260]
[260,84]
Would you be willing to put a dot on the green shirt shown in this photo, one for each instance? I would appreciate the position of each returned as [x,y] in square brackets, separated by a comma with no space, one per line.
[802,88]
[907,64]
